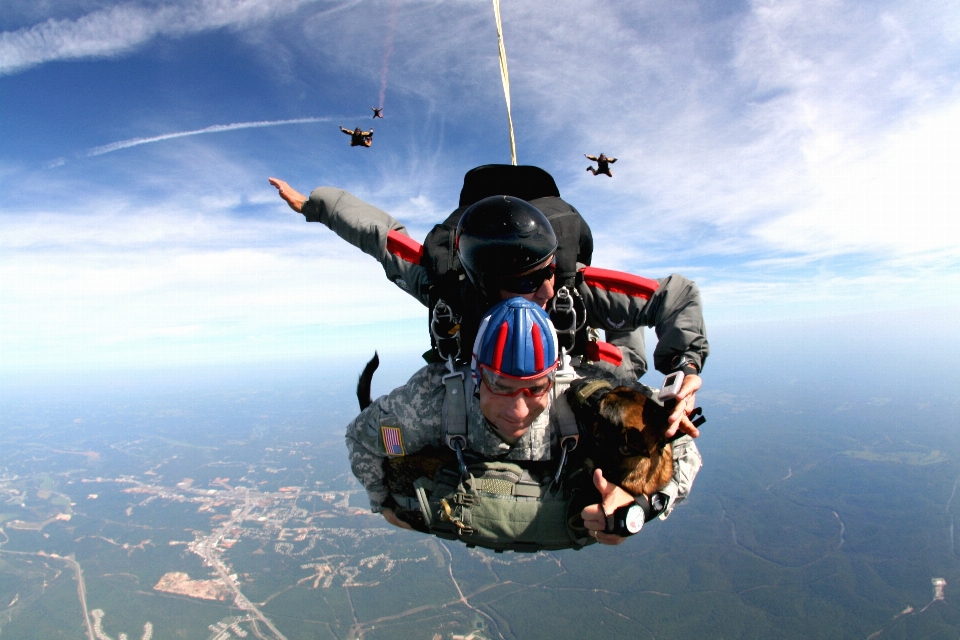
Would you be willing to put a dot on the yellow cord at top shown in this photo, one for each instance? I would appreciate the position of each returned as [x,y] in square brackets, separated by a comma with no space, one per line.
[505,76]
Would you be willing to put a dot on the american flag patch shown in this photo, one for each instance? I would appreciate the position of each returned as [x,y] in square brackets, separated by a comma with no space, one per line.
[392,441]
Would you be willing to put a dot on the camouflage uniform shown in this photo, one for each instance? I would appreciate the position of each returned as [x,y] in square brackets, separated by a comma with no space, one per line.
[415,409]
[673,308]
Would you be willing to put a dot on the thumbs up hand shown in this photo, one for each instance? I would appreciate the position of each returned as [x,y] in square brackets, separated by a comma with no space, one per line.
[595,515]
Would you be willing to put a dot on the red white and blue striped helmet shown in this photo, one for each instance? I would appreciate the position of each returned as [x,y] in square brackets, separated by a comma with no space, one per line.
[516,340]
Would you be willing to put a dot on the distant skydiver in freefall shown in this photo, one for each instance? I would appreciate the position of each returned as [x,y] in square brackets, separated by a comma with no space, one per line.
[603,164]
[359,138]
[377,113]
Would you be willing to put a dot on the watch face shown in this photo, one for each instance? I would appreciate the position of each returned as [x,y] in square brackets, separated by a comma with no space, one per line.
[634,519]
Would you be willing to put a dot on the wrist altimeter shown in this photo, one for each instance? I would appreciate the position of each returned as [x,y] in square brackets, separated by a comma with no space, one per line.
[629,519]
[686,365]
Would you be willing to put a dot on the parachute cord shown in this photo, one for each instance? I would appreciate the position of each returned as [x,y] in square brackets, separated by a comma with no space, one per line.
[505,77]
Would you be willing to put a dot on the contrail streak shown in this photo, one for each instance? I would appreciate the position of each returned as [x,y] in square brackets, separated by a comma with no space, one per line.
[387,50]
[133,142]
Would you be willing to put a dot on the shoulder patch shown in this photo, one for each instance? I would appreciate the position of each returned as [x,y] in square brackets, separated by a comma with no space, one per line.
[392,441]
[620,282]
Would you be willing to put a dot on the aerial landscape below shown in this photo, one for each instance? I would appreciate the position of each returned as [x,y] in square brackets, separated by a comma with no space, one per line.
[230,512]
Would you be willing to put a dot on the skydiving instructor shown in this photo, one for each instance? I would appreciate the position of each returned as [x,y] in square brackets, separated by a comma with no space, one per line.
[621,303]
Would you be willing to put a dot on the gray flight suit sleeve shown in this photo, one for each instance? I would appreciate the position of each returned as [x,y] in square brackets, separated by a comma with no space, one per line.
[367,228]
[674,310]
[686,464]
[414,409]
[633,348]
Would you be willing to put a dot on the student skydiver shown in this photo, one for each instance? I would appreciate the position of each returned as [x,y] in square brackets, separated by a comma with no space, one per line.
[377,112]
[359,138]
[509,414]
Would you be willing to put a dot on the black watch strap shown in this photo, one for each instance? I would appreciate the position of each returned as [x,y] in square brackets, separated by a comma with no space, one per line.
[687,365]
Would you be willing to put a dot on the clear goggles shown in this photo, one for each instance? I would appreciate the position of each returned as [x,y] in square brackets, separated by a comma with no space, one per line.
[535,388]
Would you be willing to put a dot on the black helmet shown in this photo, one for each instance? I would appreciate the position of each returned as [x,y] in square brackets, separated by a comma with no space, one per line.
[502,236]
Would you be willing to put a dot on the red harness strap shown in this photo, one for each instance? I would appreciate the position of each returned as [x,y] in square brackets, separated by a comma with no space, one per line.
[404,247]
[619,282]
[605,351]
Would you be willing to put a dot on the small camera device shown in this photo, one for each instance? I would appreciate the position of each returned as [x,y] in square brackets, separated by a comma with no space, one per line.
[671,386]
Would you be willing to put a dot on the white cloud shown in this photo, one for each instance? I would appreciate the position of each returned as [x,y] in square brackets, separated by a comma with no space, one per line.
[747,133]
[121,28]
[128,285]
[899,194]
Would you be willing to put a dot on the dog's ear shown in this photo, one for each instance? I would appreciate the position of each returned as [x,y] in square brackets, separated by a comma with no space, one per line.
[623,408]
[621,413]
[634,442]
[656,417]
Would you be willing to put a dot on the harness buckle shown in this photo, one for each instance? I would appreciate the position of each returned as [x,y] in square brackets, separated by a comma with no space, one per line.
[445,331]
[563,314]
[466,499]
[452,374]
[565,373]
[449,515]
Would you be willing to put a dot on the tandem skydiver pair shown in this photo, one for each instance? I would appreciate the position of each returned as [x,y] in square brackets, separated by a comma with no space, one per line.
[504,243]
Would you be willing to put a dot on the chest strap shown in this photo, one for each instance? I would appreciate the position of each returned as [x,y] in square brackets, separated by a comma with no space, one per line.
[569,432]
[453,418]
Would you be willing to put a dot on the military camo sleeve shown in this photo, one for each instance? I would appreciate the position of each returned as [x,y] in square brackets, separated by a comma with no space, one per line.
[686,464]
[374,232]
[397,424]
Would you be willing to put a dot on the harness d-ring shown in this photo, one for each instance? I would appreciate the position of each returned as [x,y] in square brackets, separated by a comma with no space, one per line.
[458,442]
[566,445]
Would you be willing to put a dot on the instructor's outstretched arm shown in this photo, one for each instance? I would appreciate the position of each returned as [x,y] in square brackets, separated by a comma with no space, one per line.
[290,195]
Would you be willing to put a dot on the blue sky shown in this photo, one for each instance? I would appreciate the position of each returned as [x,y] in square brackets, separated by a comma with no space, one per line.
[799,160]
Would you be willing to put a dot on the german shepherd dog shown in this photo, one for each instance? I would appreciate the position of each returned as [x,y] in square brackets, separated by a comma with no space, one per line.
[622,431]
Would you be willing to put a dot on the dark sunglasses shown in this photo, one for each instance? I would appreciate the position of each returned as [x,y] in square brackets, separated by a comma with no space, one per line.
[528,282]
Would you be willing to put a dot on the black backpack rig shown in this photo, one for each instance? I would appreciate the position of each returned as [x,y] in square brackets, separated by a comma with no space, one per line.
[457,307]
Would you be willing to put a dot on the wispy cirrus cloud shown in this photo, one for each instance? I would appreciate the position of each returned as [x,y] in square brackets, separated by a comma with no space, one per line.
[122,28]
[811,129]
[217,128]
